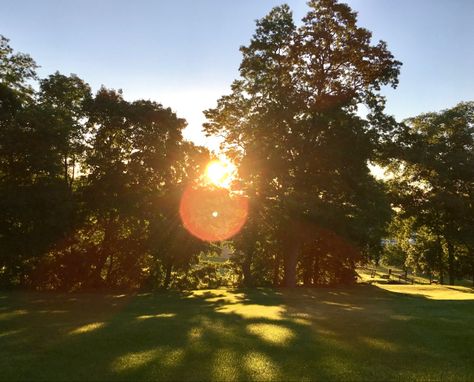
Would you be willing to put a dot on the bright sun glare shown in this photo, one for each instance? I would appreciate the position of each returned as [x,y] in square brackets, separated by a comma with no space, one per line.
[220,173]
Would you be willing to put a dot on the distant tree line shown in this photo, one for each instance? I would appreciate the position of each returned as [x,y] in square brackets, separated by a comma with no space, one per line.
[90,184]
[432,192]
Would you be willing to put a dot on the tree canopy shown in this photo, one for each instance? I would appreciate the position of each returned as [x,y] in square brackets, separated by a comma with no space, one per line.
[434,184]
[291,122]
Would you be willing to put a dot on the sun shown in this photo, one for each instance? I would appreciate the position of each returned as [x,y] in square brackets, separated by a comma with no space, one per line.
[220,173]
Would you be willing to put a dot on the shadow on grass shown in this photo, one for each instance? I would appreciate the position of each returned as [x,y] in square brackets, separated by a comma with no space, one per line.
[360,333]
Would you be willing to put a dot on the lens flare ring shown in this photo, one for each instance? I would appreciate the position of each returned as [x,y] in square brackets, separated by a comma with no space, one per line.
[213,214]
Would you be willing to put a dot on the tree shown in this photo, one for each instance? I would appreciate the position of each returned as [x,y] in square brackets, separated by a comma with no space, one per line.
[137,166]
[291,121]
[33,200]
[16,71]
[66,98]
[90,186]
[412,246]
[435,177]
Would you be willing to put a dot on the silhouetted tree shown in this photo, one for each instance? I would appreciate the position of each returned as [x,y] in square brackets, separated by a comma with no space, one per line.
[292,126]
[89,185]
[36,137]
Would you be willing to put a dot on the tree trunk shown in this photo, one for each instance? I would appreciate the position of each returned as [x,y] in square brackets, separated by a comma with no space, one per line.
[104,252]
[167,281]
[473,273]
[451,263]
[66,170]
[440,260]
[291,259]
[276,270]
[96,276]
[472,266]
[308,261]
[109,270]
[316,275]
[246,270]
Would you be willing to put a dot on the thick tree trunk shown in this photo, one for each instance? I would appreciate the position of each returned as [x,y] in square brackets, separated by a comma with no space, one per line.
[291,259]
[451,263]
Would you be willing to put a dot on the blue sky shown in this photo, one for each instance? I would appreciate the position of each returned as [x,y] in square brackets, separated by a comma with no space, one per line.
[184,53]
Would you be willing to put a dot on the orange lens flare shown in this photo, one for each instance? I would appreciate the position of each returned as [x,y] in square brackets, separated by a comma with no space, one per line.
[213,214]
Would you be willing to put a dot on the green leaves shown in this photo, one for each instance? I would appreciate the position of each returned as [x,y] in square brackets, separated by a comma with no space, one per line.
[290,121]
[88,182]
[16,70]
[435,175]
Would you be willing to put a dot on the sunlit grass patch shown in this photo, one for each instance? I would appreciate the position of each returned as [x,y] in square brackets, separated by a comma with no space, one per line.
[226,365]
[53,311]
[302,319]
[13,314]
[271,333]
[261,367]
[172,358]
[194,334]
[342,306]
[10,333]
[218,295]
[135,359]
[254,311]
[159,315]
[163,357]
[378,343]
[87,328]
[434,292]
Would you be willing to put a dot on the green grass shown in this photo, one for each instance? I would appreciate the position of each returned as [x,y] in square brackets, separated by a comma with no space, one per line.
[359,333]
[382,270]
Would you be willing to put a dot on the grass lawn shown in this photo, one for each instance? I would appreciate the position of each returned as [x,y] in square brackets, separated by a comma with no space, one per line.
[359,333]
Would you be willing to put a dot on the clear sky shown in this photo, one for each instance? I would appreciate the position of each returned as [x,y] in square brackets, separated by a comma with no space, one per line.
[184,53]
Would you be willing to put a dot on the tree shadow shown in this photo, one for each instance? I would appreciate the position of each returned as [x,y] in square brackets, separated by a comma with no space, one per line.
[359,333]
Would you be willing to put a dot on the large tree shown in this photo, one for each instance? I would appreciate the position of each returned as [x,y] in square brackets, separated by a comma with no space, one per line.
[292,126]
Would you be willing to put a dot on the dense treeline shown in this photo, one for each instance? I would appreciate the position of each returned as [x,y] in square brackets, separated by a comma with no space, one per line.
[90,184]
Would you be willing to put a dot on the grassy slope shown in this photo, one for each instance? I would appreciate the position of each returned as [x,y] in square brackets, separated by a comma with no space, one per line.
[360,333]
[381,270]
